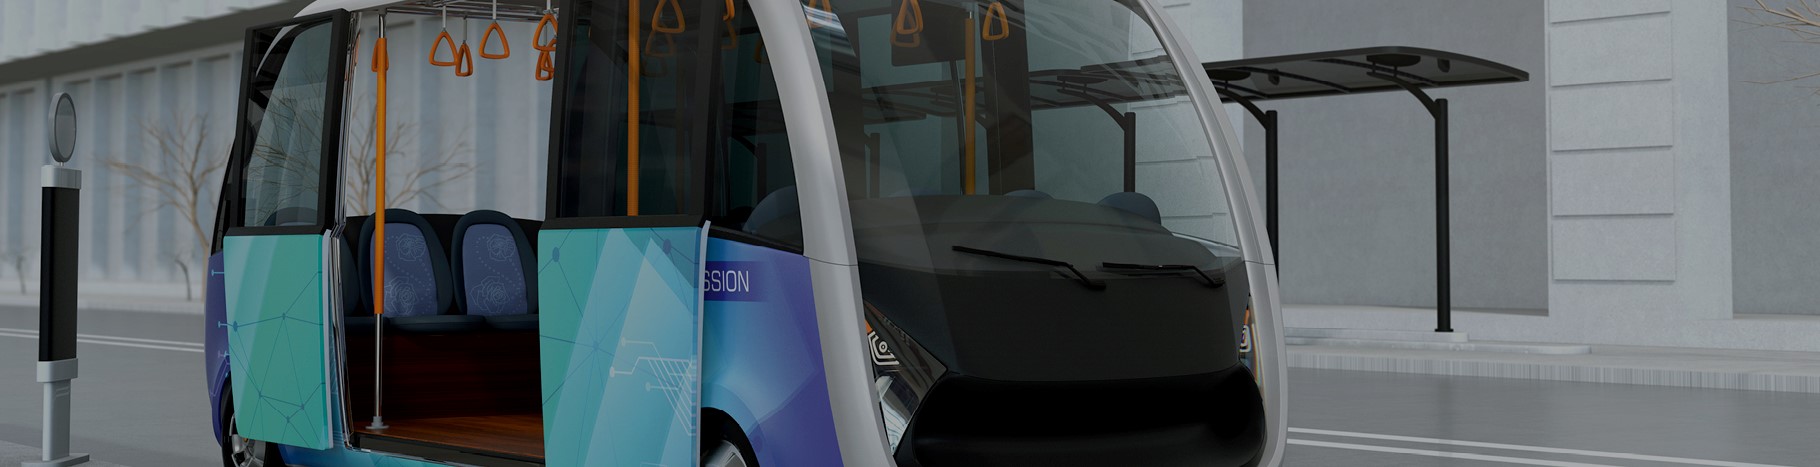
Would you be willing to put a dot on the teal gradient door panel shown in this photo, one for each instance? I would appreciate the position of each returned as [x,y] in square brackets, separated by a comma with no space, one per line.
[620,341]
[276,341]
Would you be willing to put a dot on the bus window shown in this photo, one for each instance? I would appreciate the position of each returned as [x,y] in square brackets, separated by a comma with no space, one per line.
[600,144]
[752,173]
[285,111]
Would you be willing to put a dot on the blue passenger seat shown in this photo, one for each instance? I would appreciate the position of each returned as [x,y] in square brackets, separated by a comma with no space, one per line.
[494,270]
[419,292]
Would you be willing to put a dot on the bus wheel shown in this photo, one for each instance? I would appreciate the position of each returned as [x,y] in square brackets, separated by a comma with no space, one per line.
[726,454]
[239,451]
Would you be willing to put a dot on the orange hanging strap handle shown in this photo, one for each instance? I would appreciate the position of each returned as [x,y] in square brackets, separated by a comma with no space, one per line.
[537,35]
[464,66]
[546,61]
[995,14]
[505,46]
[907,31]
[464,56]
[909,17]
[546,67]
[453,54]
[731,12]
[657,16]
[442,38]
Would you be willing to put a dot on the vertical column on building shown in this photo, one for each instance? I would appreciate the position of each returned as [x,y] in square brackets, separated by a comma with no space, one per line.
[1639,164]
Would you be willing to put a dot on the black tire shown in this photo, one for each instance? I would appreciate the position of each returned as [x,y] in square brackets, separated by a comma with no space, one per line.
[724,444]
[237,451]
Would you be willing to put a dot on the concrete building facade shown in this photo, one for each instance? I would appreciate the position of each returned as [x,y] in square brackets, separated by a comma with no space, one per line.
[1648,185]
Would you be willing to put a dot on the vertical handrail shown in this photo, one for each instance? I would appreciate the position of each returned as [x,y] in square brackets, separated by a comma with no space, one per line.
[969,175]
[382,62]
[633,78]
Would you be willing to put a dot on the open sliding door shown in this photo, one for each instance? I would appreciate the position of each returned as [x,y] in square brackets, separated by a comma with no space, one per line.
[279,202]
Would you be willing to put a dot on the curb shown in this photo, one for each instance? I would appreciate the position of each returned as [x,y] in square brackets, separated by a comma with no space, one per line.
[1806,378]
[115,304]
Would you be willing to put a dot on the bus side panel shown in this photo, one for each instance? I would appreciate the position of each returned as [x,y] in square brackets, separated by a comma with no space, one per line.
[214,342]
[275,338]
[619,347]
[763,356]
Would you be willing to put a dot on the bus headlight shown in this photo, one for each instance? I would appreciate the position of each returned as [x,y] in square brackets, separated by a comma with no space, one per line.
[1248,342]
[903,373]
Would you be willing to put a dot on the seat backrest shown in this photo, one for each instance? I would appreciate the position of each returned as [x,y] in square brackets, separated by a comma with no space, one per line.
[493,265]
[417,281]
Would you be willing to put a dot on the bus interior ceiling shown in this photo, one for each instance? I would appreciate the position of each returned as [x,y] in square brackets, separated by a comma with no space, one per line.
[460,366]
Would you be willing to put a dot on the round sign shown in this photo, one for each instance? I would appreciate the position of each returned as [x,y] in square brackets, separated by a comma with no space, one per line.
[63,128]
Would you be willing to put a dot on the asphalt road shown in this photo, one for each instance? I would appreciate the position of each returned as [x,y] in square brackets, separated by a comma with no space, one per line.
[140,402]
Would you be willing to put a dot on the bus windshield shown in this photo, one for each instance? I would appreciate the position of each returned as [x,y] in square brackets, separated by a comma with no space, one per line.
[1049,128]
[1013,161]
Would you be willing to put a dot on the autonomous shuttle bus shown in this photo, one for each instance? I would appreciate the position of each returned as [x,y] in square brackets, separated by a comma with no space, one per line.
[780,233]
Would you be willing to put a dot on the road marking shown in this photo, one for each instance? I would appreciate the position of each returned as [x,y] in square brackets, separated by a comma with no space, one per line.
[34,332]
[86,340]
[1449,455]
[1519,447]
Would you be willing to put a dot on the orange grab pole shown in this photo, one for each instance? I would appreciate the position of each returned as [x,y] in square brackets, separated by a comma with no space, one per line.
[632,108]
[968,172]
[382,62]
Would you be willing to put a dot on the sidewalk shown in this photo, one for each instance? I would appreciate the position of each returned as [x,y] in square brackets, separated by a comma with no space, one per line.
[1655,366]
[11,455]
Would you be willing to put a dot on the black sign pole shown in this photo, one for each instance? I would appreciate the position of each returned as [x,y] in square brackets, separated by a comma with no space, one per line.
[57,288]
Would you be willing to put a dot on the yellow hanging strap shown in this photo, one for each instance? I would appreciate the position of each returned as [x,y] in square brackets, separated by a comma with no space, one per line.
[504,45]
[633,108]
[382,62]
[909,23]
[995,13]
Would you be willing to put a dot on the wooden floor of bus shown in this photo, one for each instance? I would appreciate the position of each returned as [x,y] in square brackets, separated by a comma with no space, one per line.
[513,435]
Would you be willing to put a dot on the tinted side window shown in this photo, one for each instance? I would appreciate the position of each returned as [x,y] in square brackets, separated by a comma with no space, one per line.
[286,115]
[613,162]
[753,177]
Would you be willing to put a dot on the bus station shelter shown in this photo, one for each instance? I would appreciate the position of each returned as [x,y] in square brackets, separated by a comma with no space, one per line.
[1414,70]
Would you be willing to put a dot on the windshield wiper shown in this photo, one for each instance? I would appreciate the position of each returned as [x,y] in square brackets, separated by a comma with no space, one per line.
[1212,282]
[1078,276]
